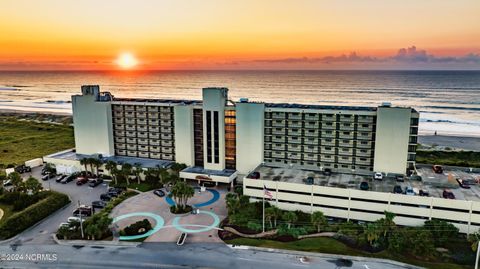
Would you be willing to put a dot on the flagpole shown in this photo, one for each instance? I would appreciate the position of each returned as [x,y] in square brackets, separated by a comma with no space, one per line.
[263,214]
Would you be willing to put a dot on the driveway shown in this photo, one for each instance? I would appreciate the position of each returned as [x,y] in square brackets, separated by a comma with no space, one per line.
[200,227]
[42,233]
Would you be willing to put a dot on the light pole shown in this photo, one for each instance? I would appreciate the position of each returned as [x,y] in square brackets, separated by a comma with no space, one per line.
[478,253]
[81,219]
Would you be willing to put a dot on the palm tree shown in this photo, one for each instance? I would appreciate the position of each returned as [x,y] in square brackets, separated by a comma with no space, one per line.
[276,213]
[138,171]
[177,167]
[32,184]
[109,166]
[126,171]
[372,233]
[318,219]
[84,162]
[181,192]
[91,162]
[290,217]
[16,180]
[97,163]
[269,215]
[232,202]
[473,239]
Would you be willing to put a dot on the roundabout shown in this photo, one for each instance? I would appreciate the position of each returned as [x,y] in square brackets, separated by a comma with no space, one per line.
[215,197]
[159,222]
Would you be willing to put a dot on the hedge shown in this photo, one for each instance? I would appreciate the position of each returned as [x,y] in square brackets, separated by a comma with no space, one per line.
[22,220]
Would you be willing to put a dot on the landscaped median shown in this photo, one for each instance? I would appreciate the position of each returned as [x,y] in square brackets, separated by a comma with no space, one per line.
[436,244]
[15,222]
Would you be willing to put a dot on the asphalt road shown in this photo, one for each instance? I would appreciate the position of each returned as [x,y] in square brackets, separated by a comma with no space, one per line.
[42,233]
[166,255]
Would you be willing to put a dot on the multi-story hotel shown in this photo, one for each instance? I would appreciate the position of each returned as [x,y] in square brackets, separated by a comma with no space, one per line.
[217,136]
[221,140]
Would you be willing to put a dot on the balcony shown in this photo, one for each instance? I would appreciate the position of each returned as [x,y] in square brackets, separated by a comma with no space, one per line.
[131,134]
[294,116]
[167,150]
[345,144]
[365,119]
[329,117]
[118,114]
[310,141]
[143,154]
[131,147]
[294,132]
[142,135]
[119,120]
[120,146]
[129,108]
[165,143]
[120,140]
[278,115]
[132,140]
[166,130]
[120,152]
[328,134]
[154,149]
[154,129]
[154,135]
[152,108]
[347,127]
[279,131]
[278,147]
[168,157]
[154,142]
[327,158]
[327,150]
[166,116]
[363,153]
[364,144]
[155,155]
[364,136]
[166,137]
[141,115]
[119,126]
[130,128]
[143,141]
[165,109]
[310,149]
[346,135]
[118,108]
[345,160]
[312,133]
[142,128]
[141,108]
[166,123]
[294,124]
[310,157]
[312,117]
[294,140]
[294,148]
[132,153]
[347,118]
[327,142]
[345,152]
[328,126]
[294,156]
[365,127]
[363,161]
[277,154]
[119,133]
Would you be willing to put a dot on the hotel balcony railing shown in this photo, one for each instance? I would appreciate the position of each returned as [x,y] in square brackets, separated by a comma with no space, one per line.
[367,119]
[292,116]
[363,154]
[278,123]
[328,127]
[154,149]
[310,142]
[143,154]
[267,139]
[167,150]
[130,121]
[152,108]
[142,148]
[358,161]
[118,114]
[311,150]
[119,119]
[132,140]
[294,133]
[313,118]
[131,134]
[278,132]
[310,125]
[345,161]
[312,134]
[344,144]
[294,140]
[328,135]
[131,147]
[324,151]
[120,152]
[367,145]
[345,136]
[278,116]
[344,118]
[154,129]
[350,127]
[168,157]
[119,133]
[166,130]
[328,159]
[166,136]
[120,146]
[132,153]
[120,140]
[117,108]
[278,140]
[310,158]
[142,128]
[360,128]
[167,143]
[143,141]
[278,155]
[364,136]
[294,156]
[168,116]
[119,126]
[153,115]
[141,108]
[281,147]
[165,109]
[130,108]
[325,142]
[154,135]
[154,142]
[295,149]
[130,128]
[345,153]
[144,135]
[155,155]
[153,122]
[141,115]
[141,121]
[166,123]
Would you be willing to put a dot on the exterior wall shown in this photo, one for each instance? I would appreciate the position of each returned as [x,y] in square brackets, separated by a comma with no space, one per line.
[184,148]
[214,101]
[93,123]
[250,129]
[369,206]
[392,139]
[214,178]
[64,166]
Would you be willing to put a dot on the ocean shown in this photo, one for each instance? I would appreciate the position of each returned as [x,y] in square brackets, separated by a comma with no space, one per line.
[448,101]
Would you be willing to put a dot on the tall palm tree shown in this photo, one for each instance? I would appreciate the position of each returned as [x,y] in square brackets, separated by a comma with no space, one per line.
[126,171]
[276,213]
[318,220]
[97,163]
[110,166]
[138,171]
[290,217]
[84,162]
[91,162]
[177,167]
[372,233]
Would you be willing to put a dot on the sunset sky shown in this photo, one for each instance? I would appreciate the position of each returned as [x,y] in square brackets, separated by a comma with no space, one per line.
[247,34]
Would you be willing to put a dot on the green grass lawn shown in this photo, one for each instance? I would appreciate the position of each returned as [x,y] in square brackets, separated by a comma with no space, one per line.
[21,140]
[455,158]
[332,246]
[7,211]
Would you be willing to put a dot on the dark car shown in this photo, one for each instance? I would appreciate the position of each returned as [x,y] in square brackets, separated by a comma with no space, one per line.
[448,194]
[327,172]
[105,197]
[416,177]
[81,181]
[400,178]
[254,175]
[159,193]
[397,189]
[68,179]
[98,204]
[463,184]
[60,178]
[114,192]
[84,211]
[364,186]
[423,193]
[437,169]
[308,180]
[95,182]
[23,169]
[48,176]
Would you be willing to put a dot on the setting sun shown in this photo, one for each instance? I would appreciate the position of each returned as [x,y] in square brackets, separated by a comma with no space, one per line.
[126,60]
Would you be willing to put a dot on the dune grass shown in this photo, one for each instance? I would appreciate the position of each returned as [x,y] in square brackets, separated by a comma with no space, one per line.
[455,158]
[23,140]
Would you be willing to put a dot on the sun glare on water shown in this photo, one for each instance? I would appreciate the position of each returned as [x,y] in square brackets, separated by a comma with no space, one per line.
[126,61]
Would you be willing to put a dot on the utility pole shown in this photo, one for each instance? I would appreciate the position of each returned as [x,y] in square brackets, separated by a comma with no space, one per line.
[263,214]
[478,253]
[81,219]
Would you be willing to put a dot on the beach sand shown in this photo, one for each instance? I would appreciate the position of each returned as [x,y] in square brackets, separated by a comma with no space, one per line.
[453,142]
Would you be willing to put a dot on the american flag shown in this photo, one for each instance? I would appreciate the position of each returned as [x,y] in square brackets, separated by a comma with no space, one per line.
[267,193]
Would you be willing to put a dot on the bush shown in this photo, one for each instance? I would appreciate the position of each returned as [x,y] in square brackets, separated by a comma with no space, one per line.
[180,209]
[20,221]
[20,200]
[442,231]
[137,228]
[254,226]
[294,232]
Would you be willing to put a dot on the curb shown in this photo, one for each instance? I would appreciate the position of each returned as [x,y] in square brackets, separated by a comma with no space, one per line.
[38,223]
[324,255]
[94,242]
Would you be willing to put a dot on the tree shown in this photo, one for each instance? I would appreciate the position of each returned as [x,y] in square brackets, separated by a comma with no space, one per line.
[50,168]
[16,180]
[386,224]
[138,171]
[97,163]
[441,231]
[318,220]
[110,166]
[84,162]
[91,161]
[290,217]
[473,239]
[126,171]
[181,192]
[274,212]
[372,233]
[177,167]
[33,185]
[233,203]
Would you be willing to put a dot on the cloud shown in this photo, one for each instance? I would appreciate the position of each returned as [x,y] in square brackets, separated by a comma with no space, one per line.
[352,57]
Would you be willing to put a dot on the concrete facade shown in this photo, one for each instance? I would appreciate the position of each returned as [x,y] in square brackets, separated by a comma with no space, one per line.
[183,124]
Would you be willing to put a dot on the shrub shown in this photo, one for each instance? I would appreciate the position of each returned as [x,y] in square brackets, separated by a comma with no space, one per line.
[20,200]
[254,226]
[137,228]
[20,221]
[442,231]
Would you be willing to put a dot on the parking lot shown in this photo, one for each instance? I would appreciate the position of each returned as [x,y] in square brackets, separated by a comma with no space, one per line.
[431,182]
[42,233]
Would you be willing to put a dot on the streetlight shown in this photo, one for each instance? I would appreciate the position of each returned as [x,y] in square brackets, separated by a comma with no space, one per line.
[81,219]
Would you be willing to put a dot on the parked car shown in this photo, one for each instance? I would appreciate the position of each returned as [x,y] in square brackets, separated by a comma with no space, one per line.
[74,219]
[7,183]
[437,169]
[114,192]
[105,197]
[23,169]
[81,181]
[423,193]
[416,177]
[397,189]
[84,211]
[254,175]
[448,194]
[378,176]
[364,186]
[98,204]
[409,191]
[48,176]
[64,224]
[400,178]
[95,182]
[60,178]
[159,193]
[327,172]
[68,179]
[308,180]
[463,184]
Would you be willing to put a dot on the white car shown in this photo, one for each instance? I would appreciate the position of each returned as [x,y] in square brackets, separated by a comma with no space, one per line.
[64,224]
[378,176]
[409,191]
[74,219]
